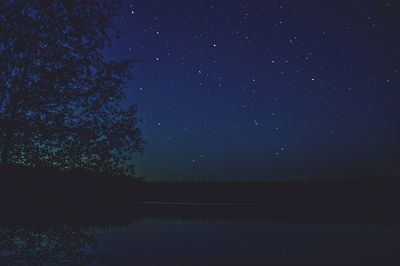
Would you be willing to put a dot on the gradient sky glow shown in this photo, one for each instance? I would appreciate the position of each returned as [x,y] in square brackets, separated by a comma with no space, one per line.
[263,90]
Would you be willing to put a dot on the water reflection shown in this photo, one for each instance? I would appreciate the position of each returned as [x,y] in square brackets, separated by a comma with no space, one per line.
[59,245]
[162,234]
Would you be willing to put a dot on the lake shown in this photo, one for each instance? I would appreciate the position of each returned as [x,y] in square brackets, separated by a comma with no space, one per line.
[177,242]
[154,239]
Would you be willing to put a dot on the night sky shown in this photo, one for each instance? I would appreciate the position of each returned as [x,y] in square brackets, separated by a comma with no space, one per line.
[264,90]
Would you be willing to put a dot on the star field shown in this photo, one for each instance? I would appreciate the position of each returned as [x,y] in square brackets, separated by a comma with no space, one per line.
[263,90]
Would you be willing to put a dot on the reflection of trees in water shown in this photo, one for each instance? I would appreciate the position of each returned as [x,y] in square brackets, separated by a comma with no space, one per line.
[61,245]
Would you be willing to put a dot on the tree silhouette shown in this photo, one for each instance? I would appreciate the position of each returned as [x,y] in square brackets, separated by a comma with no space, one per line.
[60,100]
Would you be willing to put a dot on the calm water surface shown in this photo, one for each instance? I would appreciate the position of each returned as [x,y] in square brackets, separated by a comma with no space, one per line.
[211,235]
[190,242]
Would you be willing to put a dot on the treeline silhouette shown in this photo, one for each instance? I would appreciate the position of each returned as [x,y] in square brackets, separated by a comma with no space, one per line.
[371,191]
[29,193]
[36,196]
[42,185]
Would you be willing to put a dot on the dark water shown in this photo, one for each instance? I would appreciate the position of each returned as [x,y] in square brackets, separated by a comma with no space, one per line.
[174,242]
[214,239]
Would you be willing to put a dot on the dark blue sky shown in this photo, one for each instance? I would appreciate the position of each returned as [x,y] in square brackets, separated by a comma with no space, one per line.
[261,90]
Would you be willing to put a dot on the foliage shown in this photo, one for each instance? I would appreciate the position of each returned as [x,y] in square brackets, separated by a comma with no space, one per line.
[60,100]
